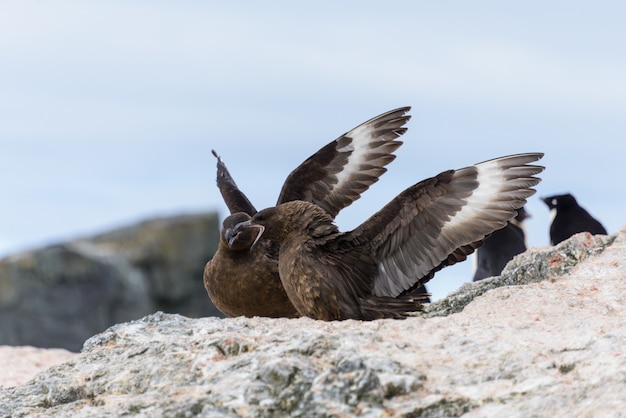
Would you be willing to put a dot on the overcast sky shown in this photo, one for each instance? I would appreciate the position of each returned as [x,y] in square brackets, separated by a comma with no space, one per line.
[109,110]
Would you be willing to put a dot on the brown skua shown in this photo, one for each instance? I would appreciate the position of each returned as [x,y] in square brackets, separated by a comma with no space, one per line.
[366,273]
[244,282]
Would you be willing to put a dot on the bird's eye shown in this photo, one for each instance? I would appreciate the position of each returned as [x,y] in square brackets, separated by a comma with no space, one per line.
[553,202]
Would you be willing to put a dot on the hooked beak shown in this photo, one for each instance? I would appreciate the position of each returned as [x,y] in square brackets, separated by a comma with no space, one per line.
[231,235]
[249,224]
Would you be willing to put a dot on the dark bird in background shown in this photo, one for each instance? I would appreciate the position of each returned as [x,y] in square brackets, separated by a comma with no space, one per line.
[501,246]
[241,281]
[568,218]
[366,273]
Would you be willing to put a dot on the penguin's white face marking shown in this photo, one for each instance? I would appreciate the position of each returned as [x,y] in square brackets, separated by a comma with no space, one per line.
[474,257]
[522,225]
[552,214]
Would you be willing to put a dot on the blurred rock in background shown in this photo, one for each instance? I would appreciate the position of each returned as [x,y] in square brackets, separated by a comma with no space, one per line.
[60,295]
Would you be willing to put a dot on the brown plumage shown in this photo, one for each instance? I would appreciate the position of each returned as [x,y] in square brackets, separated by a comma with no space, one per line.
[366,273]
[241,281]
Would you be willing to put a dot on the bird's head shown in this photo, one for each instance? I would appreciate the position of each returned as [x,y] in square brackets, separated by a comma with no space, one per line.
[237,238]
[278,223]
[561,201]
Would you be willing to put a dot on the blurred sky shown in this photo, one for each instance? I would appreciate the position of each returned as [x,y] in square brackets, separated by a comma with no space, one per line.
[109,110]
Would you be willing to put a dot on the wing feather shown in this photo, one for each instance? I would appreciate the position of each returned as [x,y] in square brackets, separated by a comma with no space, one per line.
[235,199]
[338,173]
[441,220]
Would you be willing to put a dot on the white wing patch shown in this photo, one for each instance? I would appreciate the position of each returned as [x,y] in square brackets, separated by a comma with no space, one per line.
[361,137]
[489,194]
[491,185]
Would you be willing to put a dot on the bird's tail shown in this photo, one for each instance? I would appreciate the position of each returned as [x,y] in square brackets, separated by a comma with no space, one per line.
[379,307]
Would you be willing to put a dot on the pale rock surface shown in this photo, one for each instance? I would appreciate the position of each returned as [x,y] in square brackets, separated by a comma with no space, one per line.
[20,364]
[548,342]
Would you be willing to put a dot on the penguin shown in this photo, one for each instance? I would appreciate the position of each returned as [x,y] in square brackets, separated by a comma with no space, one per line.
[501,247]
[569,218]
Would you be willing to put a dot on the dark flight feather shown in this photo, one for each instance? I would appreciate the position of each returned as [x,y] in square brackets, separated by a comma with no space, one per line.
[234,198]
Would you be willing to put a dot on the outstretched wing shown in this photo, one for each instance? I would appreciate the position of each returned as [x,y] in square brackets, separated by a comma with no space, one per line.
[233,197]
[337,174]
[441,220]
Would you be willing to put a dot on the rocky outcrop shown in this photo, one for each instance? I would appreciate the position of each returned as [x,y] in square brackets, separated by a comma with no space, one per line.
[61,295]
[544,339]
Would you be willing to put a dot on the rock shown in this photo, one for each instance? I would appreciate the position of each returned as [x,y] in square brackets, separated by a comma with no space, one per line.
[61,295]
[528,267]
[548,342]
[20,364]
